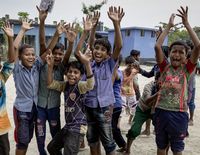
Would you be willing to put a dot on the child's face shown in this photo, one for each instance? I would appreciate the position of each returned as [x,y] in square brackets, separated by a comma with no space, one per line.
[100,53]
[28,57]
[73,75]
[177,55]
[58,56]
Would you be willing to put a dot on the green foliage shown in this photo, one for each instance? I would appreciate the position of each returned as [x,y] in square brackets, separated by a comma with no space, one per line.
[91,8]
[178,35]
[23,15]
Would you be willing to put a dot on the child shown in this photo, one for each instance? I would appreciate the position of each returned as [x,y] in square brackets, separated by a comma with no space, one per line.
[5,72]
[143,110]
[127,89]
[171,117]
[48,107]
[117,78]
[100,100]
[26,78]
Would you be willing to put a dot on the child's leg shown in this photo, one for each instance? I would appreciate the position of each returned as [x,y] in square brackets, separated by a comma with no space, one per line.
[147,128]
[72,143]
[139,118]
[191,105]
[57,143]
[131,103]
[41,129]
[4,144]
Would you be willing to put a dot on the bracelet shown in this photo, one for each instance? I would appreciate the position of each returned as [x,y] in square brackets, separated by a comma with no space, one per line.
[90,76]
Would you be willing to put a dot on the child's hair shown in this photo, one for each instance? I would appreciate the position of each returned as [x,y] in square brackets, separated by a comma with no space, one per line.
[134,52]
[59,46]
[129,60]
[179,42]
[77,65]
[104,42]
[23,47]
[190,44]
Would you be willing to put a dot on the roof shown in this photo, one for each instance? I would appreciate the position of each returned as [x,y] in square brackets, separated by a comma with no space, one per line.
[136,28]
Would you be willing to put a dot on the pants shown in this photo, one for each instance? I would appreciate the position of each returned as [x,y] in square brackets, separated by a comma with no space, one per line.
[4,144]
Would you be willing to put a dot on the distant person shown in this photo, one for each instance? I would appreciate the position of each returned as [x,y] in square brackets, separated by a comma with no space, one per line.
[5,72]
[171,117]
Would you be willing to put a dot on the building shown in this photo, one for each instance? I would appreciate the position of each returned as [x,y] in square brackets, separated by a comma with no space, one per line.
[139,38]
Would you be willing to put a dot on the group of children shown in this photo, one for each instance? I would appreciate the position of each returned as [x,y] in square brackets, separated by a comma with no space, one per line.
[95,90]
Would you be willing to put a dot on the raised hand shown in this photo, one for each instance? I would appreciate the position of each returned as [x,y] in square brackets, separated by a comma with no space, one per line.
[50,59]
[8,29]
[42,14]
[116,14]
[84,58]
[95,18]
[71,32]
[171,20]
[60,28]
[26,25]
[87,23]
[183,13]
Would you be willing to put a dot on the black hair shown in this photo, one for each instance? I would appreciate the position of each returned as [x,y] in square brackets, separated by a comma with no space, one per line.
[77,65]
[190,44]
[59,46]
[23,47]
[104,42]
[165,50]
[129,60]
[134,52]
[180,42]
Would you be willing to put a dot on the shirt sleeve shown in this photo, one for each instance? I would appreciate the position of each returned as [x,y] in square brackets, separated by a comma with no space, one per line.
[85,86]
[57,85]
[112,63]
[6,70]
[163,65]
[38,62]
[190,66]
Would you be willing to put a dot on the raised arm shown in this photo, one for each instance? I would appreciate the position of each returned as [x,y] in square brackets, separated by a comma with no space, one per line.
[60,28]
[87,26]
[161,38]
[10,34]
[50,63]
[183,13]
[71,34]
[42,16]
[95,20]
[25,27]
[116,14]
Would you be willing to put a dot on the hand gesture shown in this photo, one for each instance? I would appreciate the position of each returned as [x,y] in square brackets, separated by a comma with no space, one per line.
[183,13]
[26,25]
[83,57]
[50,59]
[171,20]
[71,32]
[87,23]
[60,28]
[8,29]
[42,14]
[95,18]
[115,14]
[88,53]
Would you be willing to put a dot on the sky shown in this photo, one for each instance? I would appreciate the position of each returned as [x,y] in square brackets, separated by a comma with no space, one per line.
[142,13]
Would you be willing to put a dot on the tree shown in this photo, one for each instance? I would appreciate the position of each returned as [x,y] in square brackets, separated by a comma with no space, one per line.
[91,8]
[23,15]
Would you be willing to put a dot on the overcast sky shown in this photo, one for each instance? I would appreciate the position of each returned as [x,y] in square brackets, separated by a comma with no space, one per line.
[143,13]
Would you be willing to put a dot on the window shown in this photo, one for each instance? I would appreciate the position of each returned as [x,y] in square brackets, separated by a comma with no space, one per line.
[153,34]
[142,33]
[127,32]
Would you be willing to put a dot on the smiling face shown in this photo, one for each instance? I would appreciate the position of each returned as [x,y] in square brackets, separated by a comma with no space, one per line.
[58,56]
[177,55]
[73,75]
[100,53]
[28,57]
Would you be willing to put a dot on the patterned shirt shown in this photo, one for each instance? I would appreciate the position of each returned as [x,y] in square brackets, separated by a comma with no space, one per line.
[4,75]
[26,84]
[74,103]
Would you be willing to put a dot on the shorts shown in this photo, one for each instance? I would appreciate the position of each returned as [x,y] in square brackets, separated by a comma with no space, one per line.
[129,104]
[24,127]
[170,128]
[99,127]
[4,144]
